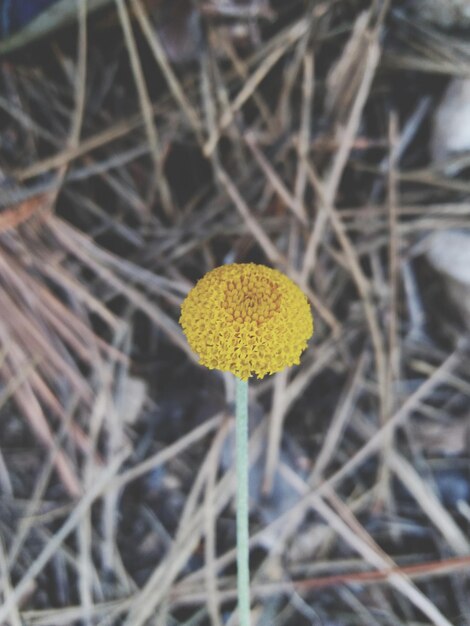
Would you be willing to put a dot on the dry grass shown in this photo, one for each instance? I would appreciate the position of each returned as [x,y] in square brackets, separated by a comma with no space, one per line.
[127,173]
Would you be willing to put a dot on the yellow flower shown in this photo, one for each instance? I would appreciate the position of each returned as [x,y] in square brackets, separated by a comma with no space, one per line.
[247,319]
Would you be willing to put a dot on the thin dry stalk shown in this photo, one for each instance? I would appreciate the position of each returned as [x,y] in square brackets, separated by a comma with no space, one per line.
[210,529]
[145,103]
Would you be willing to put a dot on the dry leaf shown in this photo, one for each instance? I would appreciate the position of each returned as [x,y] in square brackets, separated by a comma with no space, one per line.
[451,128]
[449,254]
[443,437]
[132,399]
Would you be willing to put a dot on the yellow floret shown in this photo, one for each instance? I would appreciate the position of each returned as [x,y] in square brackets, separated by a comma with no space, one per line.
[247,319]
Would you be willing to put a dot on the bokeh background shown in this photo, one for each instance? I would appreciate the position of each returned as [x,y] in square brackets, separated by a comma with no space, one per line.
[143,143]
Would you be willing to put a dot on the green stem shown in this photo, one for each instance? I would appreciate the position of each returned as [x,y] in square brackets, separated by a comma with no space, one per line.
[243,555]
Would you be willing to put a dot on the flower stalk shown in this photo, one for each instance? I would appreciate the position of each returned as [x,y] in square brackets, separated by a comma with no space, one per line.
[242,469]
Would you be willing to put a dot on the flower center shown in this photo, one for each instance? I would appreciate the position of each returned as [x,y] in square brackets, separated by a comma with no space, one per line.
[246,300]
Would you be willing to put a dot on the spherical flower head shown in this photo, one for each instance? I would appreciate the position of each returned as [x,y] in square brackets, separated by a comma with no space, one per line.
[247,319]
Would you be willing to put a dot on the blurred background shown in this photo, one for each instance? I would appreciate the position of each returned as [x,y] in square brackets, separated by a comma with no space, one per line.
[143,143]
